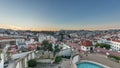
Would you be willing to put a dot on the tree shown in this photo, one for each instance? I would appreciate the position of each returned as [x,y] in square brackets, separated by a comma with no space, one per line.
[57,49]
[45,44]
[50,47]
[38,48]
[36,39]
[103,45]
[32,63]
[8,55]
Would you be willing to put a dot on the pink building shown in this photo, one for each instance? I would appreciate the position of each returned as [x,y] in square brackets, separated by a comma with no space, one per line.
[32,47]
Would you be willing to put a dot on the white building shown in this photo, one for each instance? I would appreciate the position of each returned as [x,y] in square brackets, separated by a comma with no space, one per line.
[44,37]
[20,40]
[3,56]
[102,41]
[115,44]
[66,50]
[1,60]
[30,41]
[87,46]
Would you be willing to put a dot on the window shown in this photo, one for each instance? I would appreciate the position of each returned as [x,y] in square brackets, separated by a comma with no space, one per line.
[87,48]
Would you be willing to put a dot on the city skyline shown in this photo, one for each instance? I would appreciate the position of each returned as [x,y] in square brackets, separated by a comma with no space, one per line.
[60,14]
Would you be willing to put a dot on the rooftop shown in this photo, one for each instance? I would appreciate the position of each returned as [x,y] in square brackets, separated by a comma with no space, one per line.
[87,43]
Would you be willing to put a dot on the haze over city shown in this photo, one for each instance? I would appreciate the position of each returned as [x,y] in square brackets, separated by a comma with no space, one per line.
[60,14]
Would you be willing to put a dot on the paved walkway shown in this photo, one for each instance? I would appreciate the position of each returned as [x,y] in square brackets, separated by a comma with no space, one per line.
[63,64]
[92,57]
[46,66]
[101,59]
[104,51]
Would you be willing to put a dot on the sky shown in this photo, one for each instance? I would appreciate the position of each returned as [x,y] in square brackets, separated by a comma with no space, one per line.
[60,14]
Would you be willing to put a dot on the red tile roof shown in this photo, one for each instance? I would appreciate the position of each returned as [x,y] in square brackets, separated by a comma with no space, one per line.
[108,38]
[87,43]
[8,38]
[116,41]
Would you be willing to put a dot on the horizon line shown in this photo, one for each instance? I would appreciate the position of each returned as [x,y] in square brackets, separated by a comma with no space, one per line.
[61,29]
[4,26]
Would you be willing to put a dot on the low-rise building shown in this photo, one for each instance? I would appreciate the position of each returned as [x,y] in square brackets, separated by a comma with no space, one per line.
[87,46]
[115,44]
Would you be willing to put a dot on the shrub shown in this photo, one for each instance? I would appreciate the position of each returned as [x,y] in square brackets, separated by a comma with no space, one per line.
[103,45]
[115,57]
[58,59]
[32,63]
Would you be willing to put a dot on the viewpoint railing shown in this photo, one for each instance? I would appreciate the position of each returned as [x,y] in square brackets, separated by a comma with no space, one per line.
[22,62]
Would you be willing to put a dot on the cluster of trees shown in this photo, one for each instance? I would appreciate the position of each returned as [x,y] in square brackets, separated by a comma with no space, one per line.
[56,49]
[103,45]
[49,46]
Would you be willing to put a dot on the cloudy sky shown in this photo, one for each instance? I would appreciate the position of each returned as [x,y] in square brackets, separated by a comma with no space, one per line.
[60,14]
